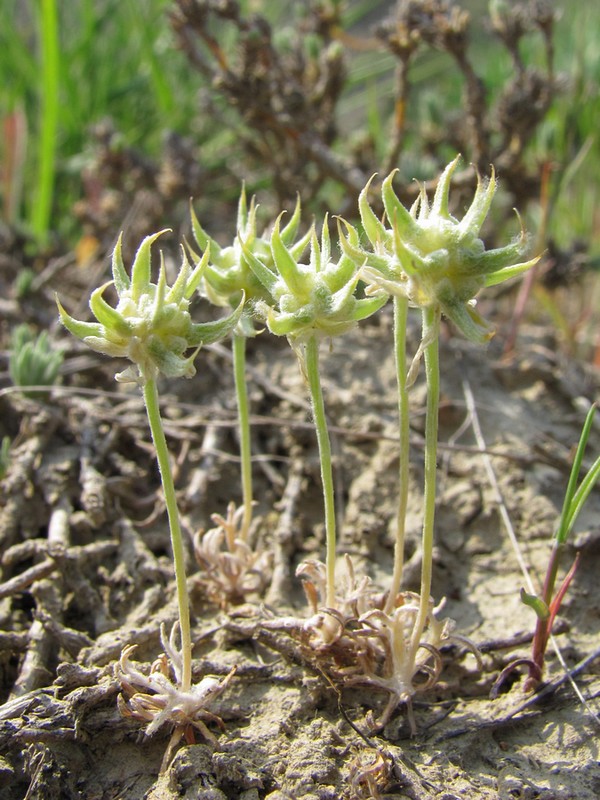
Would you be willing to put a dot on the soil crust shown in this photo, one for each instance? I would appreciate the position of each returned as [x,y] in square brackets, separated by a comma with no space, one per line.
[86,571]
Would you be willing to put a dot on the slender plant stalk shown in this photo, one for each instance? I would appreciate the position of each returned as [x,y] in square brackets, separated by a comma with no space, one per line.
[431,329]
[573,503]
[400,320]
[239,369]
[320,421]
[49,69]
[164,465]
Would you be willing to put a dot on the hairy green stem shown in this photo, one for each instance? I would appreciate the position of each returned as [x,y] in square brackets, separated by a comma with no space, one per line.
[239,370]
[431,330]
[166,474]
[320,421]
[400,320]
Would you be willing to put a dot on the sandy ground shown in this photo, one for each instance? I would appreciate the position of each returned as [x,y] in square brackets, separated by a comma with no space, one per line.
[86,571]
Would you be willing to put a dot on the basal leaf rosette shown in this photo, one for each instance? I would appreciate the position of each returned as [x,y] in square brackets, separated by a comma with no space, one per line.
[317,298]
[151,323]
[435,259]
[228,275]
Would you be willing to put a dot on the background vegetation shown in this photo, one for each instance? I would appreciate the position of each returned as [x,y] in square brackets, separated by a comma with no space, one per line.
[86,80]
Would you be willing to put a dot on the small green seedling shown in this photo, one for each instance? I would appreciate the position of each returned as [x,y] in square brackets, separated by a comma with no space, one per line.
[24,283]
[547,604]
[33,360]
[151,326]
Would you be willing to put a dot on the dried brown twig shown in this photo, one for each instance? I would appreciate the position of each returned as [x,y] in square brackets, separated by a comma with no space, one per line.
[280,90]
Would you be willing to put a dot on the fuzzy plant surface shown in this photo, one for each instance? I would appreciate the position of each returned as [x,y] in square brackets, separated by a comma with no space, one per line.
[434,259]
[152,327]
[33,361]
[228,273]
[151,323]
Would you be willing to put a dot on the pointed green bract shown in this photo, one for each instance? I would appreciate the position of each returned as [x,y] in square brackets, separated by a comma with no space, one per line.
[479,209]
[374,228]
[210,332]
[265,275]
[506,273]
[367,306]
[362,258]
[80,330]
[315,253]
[242,211]
[398,216]
[288,234]
[297,248]
[439,207]
[187,283]
[200,236]
[344,272]
[161,292]
[140,271]
[410,260]
[286,263]
[106,315]
[120,276]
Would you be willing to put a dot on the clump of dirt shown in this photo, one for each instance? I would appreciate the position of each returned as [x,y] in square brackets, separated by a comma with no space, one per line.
[86,570]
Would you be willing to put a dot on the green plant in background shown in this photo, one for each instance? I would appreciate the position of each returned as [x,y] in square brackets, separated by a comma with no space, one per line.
[151,326]
[547,604]
[24,283]
[48,127]
[241,569]
[4,455]
[309,302]
[33,360]
[73,66]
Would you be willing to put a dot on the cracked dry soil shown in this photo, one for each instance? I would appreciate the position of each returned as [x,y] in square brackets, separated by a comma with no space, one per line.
[86,571]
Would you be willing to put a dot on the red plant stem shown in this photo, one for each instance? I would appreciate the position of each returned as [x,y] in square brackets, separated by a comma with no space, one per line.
[543,628]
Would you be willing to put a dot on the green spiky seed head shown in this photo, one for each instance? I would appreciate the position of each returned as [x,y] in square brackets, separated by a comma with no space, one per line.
[151,323]
[314,298]
[228,275]
[435,259]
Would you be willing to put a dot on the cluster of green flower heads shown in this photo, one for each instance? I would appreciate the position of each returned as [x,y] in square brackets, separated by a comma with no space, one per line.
[298,287]
[294,285]
[228,276]
[151,324]
[314,297]
[433,259]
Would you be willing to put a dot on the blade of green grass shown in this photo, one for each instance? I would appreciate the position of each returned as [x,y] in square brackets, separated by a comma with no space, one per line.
[49,108]
[575,498]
